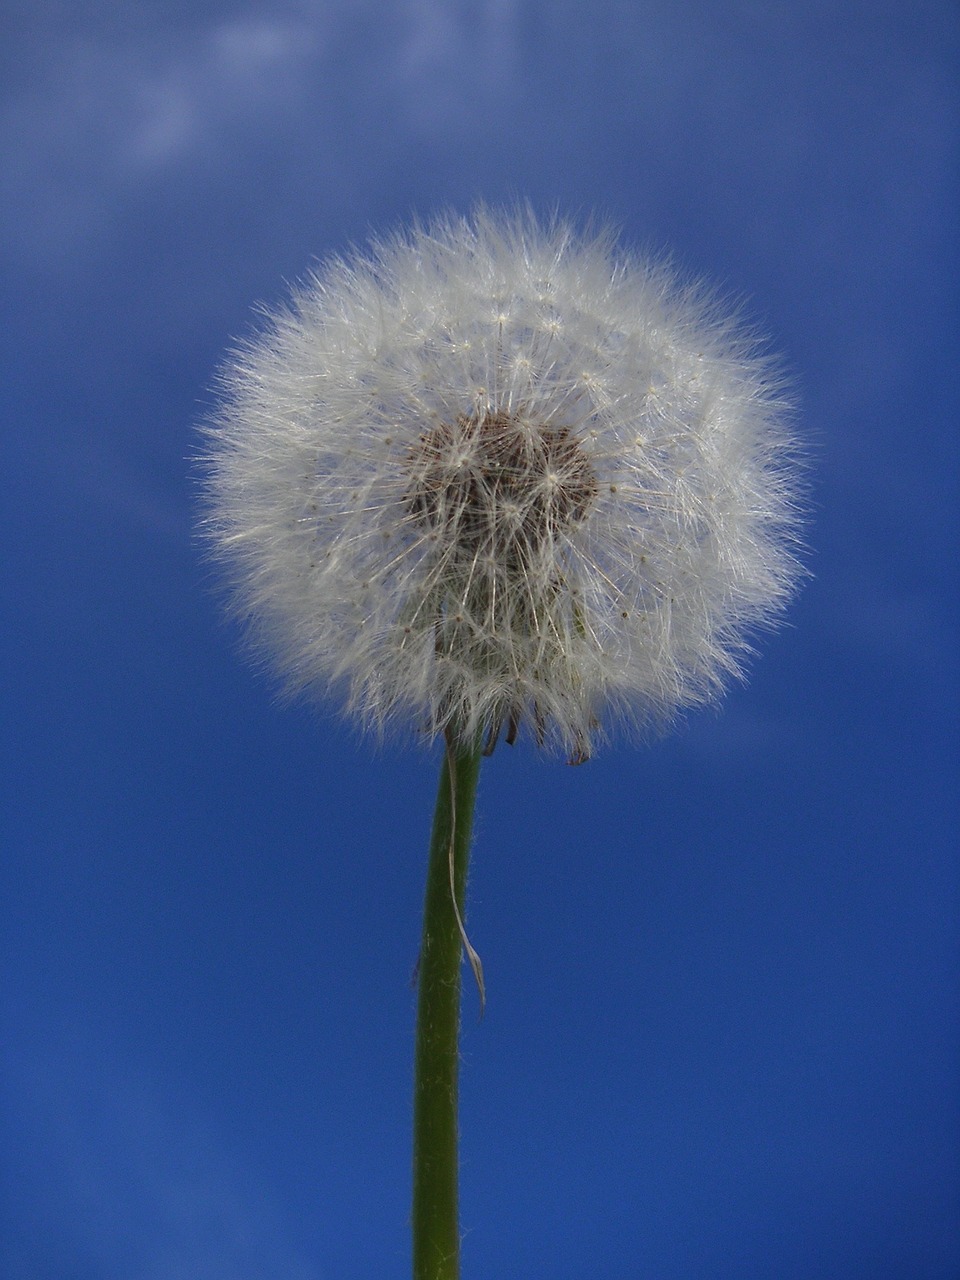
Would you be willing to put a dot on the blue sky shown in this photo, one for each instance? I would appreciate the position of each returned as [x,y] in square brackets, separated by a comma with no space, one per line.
[720,1037]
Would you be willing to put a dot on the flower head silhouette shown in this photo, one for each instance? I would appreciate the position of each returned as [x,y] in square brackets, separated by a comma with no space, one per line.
[494,475]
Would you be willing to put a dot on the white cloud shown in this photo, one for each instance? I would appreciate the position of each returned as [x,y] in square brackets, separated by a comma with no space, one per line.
[233,70]
[130,1178]
[96,118]
[453,64]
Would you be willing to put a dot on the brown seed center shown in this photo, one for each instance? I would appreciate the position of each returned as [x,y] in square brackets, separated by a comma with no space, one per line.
[500,485]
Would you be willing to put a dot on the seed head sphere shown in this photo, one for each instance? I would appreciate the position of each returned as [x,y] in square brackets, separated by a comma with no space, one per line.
[494,475]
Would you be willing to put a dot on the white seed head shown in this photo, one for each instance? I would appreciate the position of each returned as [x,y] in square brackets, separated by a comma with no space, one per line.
[493,473]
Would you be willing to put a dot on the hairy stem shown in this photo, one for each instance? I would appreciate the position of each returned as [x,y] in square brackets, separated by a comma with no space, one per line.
[436,1227]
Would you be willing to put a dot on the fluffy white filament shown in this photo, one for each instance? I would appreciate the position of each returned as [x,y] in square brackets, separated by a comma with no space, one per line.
[494,475]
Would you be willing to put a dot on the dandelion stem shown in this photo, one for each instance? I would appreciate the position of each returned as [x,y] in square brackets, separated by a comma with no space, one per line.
[436,1227]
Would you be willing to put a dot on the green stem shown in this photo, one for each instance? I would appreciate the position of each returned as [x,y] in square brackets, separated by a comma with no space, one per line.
[436,1227]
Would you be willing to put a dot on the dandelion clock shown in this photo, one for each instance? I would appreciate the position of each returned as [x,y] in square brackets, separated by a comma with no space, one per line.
[490,478]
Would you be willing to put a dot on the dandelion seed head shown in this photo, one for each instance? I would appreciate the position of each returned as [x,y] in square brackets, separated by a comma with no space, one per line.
[492,473]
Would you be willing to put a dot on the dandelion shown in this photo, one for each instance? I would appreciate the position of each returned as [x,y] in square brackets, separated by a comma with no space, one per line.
[492,476]
[495,477]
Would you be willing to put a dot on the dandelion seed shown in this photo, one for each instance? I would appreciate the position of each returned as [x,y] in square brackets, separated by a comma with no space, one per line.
[495,475]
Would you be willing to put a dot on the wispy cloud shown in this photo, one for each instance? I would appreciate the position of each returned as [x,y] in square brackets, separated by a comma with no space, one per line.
[95,117]
[130,1179]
